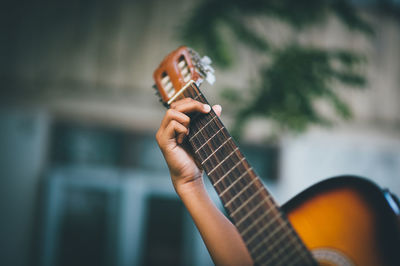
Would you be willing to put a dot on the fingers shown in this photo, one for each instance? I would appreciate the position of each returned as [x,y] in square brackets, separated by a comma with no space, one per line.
[176,120]
[176,130]
[173,114]
[180,109]
[217,109]
[189,105]
[173,131]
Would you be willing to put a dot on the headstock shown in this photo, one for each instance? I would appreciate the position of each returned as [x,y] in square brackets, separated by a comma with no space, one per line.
[179,69]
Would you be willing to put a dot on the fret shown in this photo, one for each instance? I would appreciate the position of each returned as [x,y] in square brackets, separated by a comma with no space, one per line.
[237,180]
[251,212]
[207,137]
[278,243]
[212,170]
[267,237]
[258,220]
[275,253]
[282,248]
[260,230]
[290,258]
[207,140]
[196,97]
[192,92]
[226,141]
[296,258]
[246,201]
[228,172]
[298,248]
[240,192]
[200,129]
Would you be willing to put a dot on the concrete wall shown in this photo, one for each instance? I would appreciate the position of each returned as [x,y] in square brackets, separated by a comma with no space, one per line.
[319,155]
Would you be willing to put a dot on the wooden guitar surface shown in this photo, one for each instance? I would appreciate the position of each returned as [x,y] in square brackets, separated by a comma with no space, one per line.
[346,221]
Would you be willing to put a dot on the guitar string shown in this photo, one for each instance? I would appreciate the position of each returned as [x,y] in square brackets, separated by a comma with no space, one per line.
[199,96]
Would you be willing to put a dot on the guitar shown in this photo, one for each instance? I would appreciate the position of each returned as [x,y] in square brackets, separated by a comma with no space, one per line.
[344,220]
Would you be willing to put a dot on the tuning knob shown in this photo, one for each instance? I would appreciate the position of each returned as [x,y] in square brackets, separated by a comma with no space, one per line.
[206,60]
[164,103]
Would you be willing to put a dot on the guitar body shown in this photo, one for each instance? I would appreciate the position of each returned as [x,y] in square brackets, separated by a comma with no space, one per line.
[347,221]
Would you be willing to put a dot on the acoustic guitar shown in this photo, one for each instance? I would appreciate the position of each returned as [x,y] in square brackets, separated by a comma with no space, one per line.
[344,220]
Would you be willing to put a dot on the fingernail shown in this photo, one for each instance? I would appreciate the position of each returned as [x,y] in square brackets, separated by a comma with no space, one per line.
[207,108]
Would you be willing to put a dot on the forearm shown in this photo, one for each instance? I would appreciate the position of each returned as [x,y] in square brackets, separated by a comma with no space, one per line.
[223,241]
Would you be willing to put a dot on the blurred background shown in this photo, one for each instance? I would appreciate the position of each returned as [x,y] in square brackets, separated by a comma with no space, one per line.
[311,89]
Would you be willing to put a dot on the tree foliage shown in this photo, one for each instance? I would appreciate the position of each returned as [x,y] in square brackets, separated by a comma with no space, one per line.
[295,75]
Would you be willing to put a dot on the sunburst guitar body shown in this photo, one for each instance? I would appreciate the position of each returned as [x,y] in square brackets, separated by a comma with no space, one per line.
[347,221]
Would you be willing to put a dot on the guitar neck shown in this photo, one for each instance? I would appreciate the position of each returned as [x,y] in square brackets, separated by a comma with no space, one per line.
[268,235]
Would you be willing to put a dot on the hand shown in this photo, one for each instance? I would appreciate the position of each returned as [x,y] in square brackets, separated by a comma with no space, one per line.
[185,173]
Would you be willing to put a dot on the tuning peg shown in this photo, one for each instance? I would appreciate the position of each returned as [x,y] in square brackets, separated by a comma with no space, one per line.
[206,60]
[164,103]
[155,87]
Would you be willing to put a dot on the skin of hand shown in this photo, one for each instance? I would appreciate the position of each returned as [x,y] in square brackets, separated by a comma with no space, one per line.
[222,239]
[170,137]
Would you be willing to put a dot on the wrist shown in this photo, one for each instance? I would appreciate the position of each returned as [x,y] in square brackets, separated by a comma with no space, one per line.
[183,188]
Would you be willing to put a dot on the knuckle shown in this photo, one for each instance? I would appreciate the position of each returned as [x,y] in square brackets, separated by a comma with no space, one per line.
[170,112]
[172,105]
[187,99]
[174,123]
[199,103]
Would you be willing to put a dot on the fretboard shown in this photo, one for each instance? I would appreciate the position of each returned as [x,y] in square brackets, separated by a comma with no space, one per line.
[267,233]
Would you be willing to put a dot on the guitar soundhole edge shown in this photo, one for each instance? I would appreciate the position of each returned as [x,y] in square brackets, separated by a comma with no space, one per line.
[331,257]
